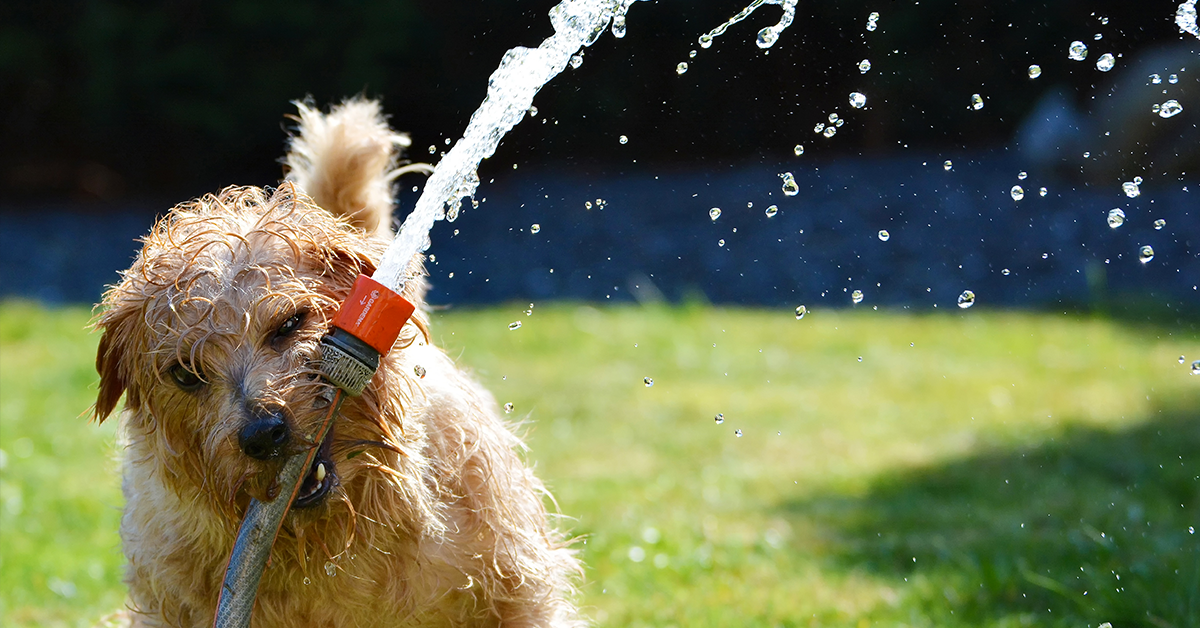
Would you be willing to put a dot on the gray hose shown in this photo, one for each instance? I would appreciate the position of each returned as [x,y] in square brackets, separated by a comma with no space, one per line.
[257,535]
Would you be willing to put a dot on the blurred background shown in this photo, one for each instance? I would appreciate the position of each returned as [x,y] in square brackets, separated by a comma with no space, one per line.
[114,111]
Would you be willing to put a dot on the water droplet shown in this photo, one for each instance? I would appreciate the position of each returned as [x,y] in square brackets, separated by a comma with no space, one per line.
[533,111]
[508,408]
[833,118]
[419,370]
[705,40]
[330,568]
[681,69]
[1159,224]
[737,433]
[947,165]
[1045,256]
[976,102]
[772,210]
[649,381]
[1146,253]
[1155,79]
[856,297]
[829,131]
[1105,62]
[1042,191]
[1173,79]
[587,204]
[1006,272]
[864,66]
[714,213]
[1035,71]
[307,580]
[432,149]
[1196,367]
[534,228]
[858,100]
[767,37]
[576,61]
[1022,175]
[1116,218]
[1137,180]
[623,139]
[1017,192]
[801,311]
[514,325]
[884,235]
[721,242]
[789,184]
[872,20]
[720,418]
[1077,51]
[966,299]
[798,149]
[691,54]
[618,26]
[1170,109]
[1131,189]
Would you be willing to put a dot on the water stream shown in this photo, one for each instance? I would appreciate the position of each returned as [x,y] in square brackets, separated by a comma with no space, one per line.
[511,88]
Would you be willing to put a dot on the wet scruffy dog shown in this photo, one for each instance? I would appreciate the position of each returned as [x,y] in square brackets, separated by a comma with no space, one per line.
[418,511]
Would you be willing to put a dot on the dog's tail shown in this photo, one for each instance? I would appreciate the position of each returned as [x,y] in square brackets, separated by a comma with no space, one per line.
[346,160]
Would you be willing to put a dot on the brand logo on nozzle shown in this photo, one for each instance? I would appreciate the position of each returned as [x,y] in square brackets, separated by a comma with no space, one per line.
[367,301]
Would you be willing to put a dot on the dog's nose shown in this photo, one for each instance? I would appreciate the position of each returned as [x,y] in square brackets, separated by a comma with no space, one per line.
[264,438]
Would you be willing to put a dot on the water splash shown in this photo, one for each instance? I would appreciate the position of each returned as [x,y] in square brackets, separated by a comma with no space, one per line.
[767,36]
[511,88]
[1185,18]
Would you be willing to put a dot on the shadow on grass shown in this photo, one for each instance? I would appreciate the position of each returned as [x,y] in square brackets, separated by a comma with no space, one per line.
[1091,526]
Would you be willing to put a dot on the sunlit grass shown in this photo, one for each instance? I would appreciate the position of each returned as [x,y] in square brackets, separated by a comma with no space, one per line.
[975,468]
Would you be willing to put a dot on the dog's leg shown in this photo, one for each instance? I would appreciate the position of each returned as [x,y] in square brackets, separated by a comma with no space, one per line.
[346,161]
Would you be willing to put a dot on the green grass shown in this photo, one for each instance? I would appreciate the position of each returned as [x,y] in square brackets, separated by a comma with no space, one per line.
[977,468]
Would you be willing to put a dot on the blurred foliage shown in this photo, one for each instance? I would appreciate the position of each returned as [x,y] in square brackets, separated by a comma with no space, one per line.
[106,98]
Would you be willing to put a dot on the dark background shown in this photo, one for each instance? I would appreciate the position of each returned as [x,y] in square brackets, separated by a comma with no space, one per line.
[110,112]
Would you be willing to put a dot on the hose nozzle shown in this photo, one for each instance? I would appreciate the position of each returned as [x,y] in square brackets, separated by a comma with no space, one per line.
[364,329]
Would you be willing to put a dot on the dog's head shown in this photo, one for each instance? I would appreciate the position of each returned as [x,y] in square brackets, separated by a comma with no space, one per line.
[212,336]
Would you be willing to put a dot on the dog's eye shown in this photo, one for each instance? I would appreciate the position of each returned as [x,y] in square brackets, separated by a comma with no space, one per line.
[186,379]
[290,325]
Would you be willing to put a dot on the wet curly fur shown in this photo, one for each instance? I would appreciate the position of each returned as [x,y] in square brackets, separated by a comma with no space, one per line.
[433,519]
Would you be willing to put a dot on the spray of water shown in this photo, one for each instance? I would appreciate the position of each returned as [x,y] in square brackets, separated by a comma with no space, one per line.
[511,88]
[767,36]
[1185,18]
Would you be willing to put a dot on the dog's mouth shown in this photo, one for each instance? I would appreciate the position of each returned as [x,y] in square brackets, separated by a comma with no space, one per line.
[321,477]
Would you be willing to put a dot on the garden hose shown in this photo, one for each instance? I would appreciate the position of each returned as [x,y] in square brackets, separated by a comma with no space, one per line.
[364,329]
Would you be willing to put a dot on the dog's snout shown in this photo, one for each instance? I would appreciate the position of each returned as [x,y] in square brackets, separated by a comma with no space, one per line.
[264,438]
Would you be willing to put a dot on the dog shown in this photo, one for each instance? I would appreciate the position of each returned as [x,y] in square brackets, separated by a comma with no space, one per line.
[418,510]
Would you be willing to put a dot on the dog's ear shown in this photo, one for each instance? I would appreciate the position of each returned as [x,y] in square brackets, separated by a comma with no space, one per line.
[112,382]
[109,364]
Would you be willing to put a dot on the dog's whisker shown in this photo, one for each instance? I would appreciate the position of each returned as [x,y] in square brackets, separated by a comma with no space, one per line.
[338,446]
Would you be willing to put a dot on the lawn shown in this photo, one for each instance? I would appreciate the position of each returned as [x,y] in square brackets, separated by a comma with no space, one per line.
[873,468]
